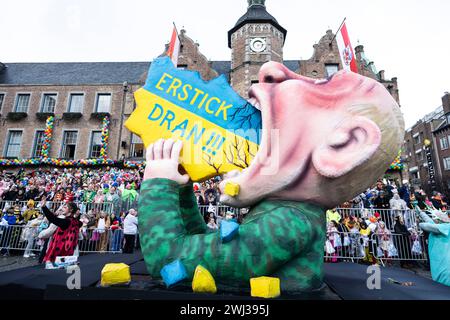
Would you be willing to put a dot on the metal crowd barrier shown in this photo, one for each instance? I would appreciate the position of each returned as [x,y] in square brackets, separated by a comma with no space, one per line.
[347,248]
[107,207]
[386,215]
[374,248]
[400,248]
[95,240]
[22,238]
[217,210]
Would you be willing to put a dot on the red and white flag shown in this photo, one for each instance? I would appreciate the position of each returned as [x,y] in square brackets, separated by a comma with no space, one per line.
[346,50]
[174,47]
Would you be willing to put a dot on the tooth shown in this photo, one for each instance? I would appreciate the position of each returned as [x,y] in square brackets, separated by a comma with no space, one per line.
[320,81]
[252,101]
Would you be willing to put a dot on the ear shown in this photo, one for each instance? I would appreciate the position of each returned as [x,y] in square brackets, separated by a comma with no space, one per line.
[353,142]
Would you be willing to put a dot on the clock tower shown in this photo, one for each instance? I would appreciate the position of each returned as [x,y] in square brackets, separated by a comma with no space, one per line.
[256,39]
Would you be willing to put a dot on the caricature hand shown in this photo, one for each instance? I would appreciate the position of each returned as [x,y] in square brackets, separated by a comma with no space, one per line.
[162,161]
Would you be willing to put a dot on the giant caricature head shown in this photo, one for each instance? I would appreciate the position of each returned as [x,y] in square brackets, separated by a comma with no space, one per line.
[333,138]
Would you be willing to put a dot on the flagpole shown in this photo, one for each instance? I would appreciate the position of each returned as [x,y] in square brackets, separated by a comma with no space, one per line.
[176,30]
[340,27]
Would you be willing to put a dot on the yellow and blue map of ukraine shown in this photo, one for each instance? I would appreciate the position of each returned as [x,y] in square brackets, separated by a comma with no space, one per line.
[219,129]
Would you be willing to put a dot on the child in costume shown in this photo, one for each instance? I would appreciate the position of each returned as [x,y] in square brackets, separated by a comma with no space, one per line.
[65,239]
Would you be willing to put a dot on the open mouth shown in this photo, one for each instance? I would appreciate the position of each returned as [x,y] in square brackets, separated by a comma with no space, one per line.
[259,97]
[266,161]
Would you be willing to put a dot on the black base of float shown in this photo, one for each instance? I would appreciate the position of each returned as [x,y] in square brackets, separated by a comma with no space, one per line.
[345,281]
[349,281]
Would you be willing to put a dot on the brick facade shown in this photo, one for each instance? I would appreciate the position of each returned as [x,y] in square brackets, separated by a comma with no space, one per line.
[84,126]
[242,71]
[434,127]
[441,146]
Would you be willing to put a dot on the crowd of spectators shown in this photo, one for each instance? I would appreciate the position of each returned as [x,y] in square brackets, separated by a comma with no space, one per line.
[106,199]
[394,196]
[80,185]
[372,225]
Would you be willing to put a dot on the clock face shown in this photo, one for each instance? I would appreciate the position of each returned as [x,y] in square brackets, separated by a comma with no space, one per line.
[258,45]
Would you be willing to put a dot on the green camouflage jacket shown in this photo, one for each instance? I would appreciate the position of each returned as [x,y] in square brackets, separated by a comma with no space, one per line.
[283,239]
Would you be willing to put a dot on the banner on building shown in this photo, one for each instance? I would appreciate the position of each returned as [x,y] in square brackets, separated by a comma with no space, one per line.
[219,129]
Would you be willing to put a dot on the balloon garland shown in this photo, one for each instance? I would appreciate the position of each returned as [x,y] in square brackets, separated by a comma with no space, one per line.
[105,137]
[70,163]
[397,164]
[45,160]
[47,137]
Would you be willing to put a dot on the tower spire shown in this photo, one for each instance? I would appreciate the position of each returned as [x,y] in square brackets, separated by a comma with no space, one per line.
[256,2]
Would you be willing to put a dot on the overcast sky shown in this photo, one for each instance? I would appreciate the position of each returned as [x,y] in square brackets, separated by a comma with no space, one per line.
[409,39]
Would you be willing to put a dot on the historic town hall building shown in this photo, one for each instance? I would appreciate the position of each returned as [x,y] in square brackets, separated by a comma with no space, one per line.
[80,95]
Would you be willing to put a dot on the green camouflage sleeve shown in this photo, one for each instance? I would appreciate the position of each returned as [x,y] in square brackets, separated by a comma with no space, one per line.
[190,214]
[263,245]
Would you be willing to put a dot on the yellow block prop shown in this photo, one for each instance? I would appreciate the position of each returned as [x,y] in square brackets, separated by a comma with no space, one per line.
[232,189]
[115,274]
[265,287]
[203,281]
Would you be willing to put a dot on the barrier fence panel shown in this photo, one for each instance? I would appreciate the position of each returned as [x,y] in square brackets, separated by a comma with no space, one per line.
[20,238]
[84,207]
[217,210]
[126,205]
[95,240]
[354,246]
[344,246]
[399,247]
[350,246]
[386,215]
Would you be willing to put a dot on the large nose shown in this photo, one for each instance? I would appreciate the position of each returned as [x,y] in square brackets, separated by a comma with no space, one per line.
[273,72]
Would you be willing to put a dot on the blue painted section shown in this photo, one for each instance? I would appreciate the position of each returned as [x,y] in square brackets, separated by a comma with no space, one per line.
[228,230]
[241,116]
[173,273]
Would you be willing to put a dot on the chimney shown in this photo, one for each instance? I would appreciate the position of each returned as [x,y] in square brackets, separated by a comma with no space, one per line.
[359,52]
[446,102]
[381,75]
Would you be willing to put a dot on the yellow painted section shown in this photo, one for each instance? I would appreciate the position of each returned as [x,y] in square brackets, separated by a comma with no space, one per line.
[208,149]
[232,189]
[115,273]
[265,287]
[203,281]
